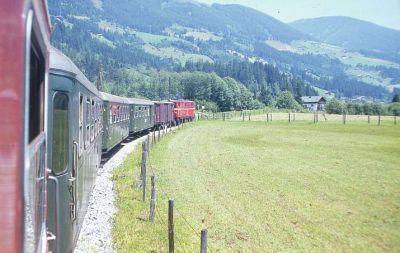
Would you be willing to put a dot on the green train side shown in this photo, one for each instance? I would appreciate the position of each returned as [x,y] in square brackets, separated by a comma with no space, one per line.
[141,115]
[81,124]
[115,120]
[74,133]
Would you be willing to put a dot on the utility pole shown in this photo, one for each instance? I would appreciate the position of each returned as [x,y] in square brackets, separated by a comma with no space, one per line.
[100,78]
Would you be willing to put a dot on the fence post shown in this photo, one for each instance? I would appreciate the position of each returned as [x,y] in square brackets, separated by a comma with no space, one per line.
[171,226]
[159,134]
[369,119]
[314,118]
[143,169]
[267,117]
[243,115]
[152,199]
[395,120]
[249,115]
[203,245]
[148,144]
[294,116]
[289,117]
[317,116]
[271,117]
[379,119]
[344,118]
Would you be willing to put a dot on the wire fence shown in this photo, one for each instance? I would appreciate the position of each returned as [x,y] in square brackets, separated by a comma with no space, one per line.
[166,196]
[268,116]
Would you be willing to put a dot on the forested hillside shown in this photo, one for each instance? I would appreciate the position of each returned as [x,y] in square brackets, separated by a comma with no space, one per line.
[183,39]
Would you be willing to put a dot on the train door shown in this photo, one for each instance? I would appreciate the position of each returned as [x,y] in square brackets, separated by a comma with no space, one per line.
[62,161]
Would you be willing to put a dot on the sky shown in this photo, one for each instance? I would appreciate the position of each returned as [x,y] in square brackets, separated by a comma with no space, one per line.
[382,12]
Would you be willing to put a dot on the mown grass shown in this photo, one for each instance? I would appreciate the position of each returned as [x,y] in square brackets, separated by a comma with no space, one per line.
[262,188]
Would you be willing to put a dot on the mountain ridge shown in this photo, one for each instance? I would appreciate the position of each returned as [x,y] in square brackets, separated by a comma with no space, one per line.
[353,34]
[180,32]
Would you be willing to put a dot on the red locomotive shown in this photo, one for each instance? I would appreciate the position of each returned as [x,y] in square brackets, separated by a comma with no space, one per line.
[184,110]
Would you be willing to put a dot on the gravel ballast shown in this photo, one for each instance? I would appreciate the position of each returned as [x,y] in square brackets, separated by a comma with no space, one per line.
[96,232]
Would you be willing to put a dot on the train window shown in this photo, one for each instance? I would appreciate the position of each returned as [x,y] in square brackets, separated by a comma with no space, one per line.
[80,124]
[111,116]
[92,121]
[36,90]
[87,122]
[60,133]
[114,116]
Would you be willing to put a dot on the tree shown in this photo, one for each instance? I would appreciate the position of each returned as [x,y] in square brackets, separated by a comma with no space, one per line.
[285,100]
[266,96]
[394,109]
[334,107]
[396,98]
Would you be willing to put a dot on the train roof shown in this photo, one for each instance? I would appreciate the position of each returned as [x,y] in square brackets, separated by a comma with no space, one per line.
[140,101]
[113,98]
[177,100]
[163,102]
[61,64]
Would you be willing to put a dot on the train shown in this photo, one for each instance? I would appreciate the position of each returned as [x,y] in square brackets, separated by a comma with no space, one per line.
[55,128]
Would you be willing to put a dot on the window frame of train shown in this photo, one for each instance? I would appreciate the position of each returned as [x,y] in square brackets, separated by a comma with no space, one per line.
[34,136]
[59,171]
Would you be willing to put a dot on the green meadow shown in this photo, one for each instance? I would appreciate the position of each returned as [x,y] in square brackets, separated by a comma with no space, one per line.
[259,187]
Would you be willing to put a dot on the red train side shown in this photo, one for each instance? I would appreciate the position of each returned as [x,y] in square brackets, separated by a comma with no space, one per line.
[163,114]
[184,110]
[24,42]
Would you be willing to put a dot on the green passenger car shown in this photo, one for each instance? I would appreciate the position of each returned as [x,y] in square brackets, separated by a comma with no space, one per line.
[141,115]
[74,133]
[115,120]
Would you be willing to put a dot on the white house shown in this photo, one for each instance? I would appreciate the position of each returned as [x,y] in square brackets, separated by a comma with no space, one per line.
[313,103]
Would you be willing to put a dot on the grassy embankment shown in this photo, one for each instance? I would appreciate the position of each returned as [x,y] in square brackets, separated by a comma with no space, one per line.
[262,188]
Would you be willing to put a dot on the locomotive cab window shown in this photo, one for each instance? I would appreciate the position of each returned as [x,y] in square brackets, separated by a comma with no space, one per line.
[36,90]
[60,133]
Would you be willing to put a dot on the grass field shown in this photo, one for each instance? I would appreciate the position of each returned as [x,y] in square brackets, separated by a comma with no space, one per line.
[263,188]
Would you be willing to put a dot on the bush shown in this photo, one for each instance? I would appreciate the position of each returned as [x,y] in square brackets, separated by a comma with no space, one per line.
[285,100]
[335,107]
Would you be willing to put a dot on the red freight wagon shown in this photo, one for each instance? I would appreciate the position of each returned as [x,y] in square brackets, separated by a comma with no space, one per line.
[24,43]
[164,113]
[184,110]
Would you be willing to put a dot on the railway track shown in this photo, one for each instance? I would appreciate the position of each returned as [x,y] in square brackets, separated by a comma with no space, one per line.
[96,232]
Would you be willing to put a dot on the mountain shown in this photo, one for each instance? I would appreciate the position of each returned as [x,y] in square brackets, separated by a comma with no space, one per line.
[255,49]
[232,20]
[353,34]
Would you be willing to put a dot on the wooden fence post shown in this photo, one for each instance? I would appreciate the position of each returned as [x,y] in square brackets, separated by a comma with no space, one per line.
[267,117]
[203,244]
[249,115]
[152,199]
[369,121]
[148,144]
[171,226]
[143,169]
[344,118]
[294,116]
[395,120]
[289,117]
[317,116]
[243,115]
[379,119]
[159,134]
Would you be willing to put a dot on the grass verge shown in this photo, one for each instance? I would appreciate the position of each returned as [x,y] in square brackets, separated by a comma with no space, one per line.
[261,188]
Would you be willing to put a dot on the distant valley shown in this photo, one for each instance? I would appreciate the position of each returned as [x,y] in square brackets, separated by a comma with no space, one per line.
[355,64]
